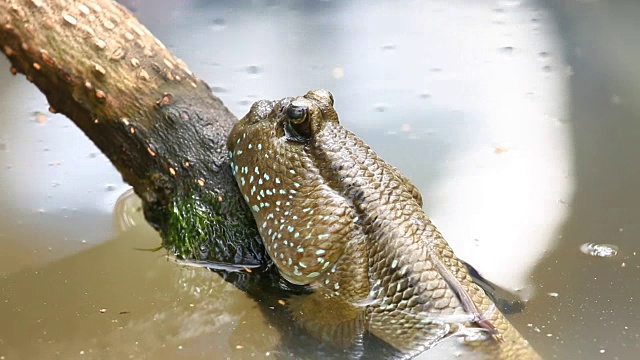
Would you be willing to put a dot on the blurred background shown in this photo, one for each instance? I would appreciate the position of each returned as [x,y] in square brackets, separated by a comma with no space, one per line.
[518,121]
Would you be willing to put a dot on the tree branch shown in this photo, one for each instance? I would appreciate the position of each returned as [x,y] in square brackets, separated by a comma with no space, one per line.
[159,125]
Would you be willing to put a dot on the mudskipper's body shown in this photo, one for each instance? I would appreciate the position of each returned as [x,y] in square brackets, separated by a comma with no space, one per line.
[336,217]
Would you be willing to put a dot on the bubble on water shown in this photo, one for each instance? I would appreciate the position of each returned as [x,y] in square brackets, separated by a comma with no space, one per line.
[616,100]
[506,50]
[253,69]
[388,47]
[218,24]
[509,3]
[379,107]
[219,89]
[40,117]
[337,73]
[599,250]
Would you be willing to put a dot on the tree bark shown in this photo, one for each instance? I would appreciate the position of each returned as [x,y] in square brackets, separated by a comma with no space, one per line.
[160,126]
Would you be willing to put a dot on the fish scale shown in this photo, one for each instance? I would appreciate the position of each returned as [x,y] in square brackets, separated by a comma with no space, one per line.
[340,219]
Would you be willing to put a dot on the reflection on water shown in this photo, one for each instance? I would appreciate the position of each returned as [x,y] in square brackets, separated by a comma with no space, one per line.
[470,99]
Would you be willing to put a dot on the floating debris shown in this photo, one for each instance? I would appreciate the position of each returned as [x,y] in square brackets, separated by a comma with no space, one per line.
[599,250]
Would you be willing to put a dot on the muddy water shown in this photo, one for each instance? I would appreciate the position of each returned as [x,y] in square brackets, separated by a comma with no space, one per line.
[516,119]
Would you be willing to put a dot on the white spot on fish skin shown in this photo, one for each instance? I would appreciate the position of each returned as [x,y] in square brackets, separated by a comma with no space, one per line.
[231,154]
[290,228]
[320,260]
[246,198]
[260,181]
[242,181]
[300,249]
[286,213]
[277,180]
[336,286]
[261,193]
[251,179]
[256,170]
[281,256]
[394,264]
[239,152]
[404,269]
[313,274]
[289,262]
[292,191]
[327,281]
[294,217]
[249,146]
[278,202]
[326,265]
[292,171]
[255,208]
[282,192]
[264,224]
[275,246]
[296,271]
[296,184]
[270,216]
[302,264]
[296,235]
[323,236]
[306,210]
[245,169]
[259,146]
[320,252]
[253,189]
[266,176]
[269,192]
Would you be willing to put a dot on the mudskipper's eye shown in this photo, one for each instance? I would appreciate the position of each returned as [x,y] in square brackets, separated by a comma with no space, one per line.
[297,112]
[297,125]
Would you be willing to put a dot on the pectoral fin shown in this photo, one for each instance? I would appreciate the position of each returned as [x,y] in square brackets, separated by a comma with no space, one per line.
[330,319]
[506,301]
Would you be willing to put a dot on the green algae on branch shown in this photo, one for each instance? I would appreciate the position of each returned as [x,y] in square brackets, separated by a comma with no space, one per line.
[159,124]
[202,226]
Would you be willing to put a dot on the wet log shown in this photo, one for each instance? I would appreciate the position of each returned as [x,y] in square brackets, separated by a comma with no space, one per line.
[160,125]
